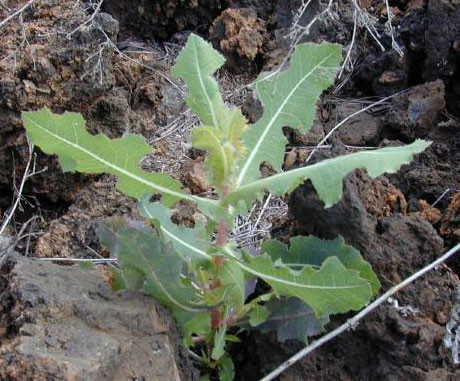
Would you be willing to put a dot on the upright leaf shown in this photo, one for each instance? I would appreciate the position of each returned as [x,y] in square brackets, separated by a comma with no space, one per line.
[327,175]
[289,99]
[66,136]
[223,126]
[313,251]
[331,289]
[219,343]
[221,159]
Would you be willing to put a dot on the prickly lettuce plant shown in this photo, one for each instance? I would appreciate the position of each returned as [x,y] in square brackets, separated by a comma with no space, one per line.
[199,273]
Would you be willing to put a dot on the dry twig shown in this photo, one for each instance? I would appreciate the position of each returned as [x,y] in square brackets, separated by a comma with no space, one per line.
[17,12]
[9,215]
[341,123]
[97,8]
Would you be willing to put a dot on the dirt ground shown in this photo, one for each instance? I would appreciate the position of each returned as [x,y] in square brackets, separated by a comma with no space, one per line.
[115,70]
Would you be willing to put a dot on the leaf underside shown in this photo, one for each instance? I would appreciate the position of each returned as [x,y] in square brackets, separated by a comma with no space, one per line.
[292,319]
[147,263]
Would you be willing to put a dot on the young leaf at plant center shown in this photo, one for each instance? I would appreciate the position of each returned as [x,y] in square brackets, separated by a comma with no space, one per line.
[140,248]
[219,343]
[289,99]
[331,289]
[221,159]
[190,243]
[66,136]
[223,126]
[292,319]
[327,175]
[225,284]
[312,251]
[219,336]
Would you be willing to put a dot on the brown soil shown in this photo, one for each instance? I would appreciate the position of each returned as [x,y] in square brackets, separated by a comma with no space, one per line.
[391,220]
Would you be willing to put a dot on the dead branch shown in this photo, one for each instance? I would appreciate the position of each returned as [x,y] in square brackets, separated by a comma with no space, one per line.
[90,20]
[17,12]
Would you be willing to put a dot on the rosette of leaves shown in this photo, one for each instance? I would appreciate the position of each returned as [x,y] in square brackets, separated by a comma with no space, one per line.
[204,281]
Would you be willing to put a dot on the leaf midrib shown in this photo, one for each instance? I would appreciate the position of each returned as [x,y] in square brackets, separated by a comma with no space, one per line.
[203,87]
[313,168]
[289,283]
[273,119]
[119,169]
[165,291]
[177,239]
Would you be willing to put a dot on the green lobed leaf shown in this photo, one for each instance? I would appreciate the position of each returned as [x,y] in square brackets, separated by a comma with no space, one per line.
[146,261]
[327,175]
[289,99]
[190,243]
[292,319]
[258,315]
[226,368]
[313,251]
[223,126]
[66,136]
[331,289]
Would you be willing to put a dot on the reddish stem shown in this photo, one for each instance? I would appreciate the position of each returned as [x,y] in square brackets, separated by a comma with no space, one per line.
[222,228]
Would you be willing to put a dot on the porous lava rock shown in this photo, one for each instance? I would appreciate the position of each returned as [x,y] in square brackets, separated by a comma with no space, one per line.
[65,323]
[160,19]
[402,339]
[238,32]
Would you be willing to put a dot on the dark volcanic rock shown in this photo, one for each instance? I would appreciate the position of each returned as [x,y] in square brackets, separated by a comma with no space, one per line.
[53,72]
[434,170]
[160,19]
[415,113]
[363,129]
[442,30]
[64,323]
[401,340]
[395,244]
